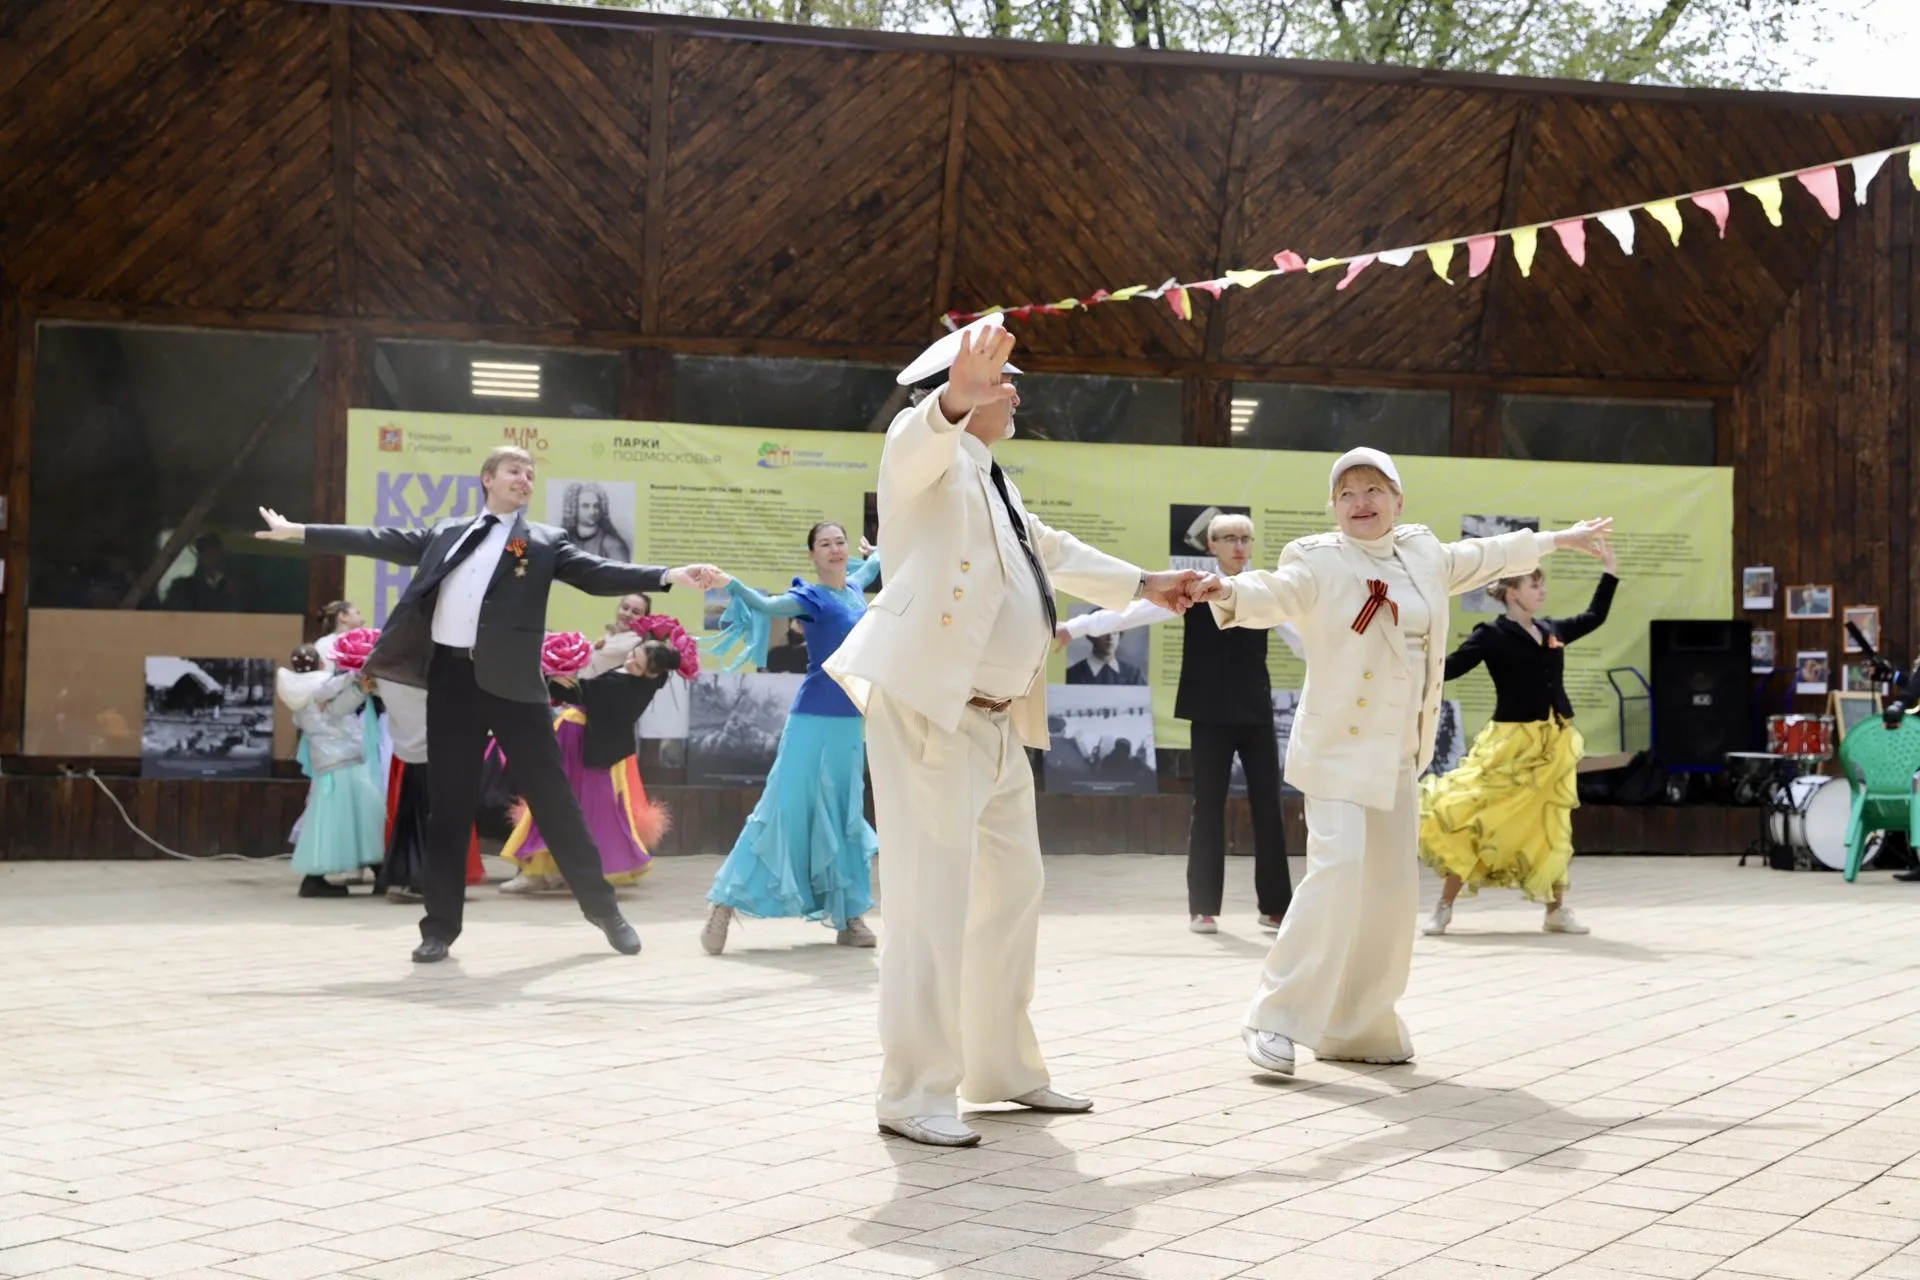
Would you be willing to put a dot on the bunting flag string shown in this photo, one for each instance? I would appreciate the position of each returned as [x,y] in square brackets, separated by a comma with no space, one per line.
[1821,182]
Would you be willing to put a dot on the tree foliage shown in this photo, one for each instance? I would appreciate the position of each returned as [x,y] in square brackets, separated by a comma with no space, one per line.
[1737,43]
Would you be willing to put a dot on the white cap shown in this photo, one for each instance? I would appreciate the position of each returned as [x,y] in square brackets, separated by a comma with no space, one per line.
[1363,458]
[939,357]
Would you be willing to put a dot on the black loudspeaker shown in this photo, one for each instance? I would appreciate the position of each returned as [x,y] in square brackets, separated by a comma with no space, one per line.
[1702,692]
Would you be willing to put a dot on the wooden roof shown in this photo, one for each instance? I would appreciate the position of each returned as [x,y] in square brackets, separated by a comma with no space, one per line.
[578,175]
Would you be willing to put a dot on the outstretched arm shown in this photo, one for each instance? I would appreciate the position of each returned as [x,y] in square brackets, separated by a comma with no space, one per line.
[1474,562]
[599,576]
[1585,624]
[1262,597]
[399,546]
[863,573]
[1106,622]
[746,631]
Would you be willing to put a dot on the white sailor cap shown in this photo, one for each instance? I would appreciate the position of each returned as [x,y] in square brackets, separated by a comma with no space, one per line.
[1363,458]
[939,357]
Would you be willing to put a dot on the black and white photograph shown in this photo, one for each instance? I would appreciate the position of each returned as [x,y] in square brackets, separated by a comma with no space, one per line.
[207,718]
[1119,658]
[1286,702]
[734,722]
[1102,740]
[1478,600]
[1810,602]
[1187,532]
[597,515]
[1765,652]
[1756,587]
[1810,671]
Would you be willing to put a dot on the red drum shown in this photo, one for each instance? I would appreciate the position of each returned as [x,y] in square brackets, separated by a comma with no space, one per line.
[1807,736]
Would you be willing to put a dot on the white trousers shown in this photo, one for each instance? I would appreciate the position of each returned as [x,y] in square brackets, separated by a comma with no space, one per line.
[960,847]
[1344,951]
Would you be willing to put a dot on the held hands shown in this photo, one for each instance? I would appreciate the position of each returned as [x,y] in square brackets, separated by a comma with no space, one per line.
[867,549]
[976,377]
[1588,536]
[698,577]
[279,528]
[1173,589]
[1062,637]
[1211,587]
[1608,560]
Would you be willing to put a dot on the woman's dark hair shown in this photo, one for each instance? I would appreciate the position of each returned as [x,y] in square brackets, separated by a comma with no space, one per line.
[813,534]
[662,657]
[330,616]
[305,658]
[1500,589]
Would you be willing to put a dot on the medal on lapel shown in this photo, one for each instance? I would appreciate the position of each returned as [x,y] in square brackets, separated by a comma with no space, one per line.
[518,550]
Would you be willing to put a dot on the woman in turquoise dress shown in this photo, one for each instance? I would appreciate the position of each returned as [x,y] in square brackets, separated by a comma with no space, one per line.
[807,850]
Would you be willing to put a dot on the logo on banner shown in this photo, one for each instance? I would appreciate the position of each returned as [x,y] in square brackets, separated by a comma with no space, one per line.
[528,438]
[773,455]
[392,440]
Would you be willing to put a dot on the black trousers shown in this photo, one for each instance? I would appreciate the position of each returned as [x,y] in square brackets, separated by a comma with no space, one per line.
[1214,746]
[460,714]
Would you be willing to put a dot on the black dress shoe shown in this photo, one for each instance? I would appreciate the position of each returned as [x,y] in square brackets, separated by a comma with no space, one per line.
[431,951]
[321,887]
[621,934]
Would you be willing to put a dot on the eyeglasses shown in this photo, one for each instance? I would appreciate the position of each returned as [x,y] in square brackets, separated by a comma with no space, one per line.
[1234,539]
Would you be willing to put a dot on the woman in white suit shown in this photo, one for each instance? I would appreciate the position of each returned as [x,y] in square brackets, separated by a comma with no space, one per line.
[1371,602]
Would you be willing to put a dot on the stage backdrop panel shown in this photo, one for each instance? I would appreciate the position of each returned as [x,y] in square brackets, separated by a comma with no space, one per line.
[744,498]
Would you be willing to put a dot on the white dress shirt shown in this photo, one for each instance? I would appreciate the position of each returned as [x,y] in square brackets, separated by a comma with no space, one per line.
[456,613]
[1144,613]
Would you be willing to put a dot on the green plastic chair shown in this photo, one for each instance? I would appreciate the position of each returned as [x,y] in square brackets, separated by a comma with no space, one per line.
[1880,764]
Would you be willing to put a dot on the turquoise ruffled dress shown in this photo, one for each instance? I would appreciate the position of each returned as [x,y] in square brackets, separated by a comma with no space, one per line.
[807,849]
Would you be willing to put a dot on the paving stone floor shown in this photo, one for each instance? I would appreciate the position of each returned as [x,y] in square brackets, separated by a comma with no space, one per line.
[201,1075]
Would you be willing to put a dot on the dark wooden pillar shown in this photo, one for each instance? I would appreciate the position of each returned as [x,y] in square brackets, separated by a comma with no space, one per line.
[646,385]
[16,464]
[1204,404]
[1476,424]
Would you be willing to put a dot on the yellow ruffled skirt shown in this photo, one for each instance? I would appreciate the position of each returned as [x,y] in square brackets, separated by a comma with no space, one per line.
[1505,816]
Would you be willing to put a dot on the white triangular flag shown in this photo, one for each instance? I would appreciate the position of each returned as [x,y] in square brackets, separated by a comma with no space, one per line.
[1620,222]
[1863,171]
[1396,257]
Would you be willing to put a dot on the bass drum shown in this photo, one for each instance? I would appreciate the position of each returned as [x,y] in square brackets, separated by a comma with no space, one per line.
[1817,821]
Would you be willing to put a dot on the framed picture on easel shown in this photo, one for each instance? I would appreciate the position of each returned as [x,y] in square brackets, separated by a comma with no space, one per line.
[1850,709]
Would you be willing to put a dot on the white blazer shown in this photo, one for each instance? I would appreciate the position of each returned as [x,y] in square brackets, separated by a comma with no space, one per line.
[921,639]
[1350,729]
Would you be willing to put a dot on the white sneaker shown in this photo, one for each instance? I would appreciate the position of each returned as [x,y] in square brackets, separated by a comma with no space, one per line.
[1268,1050]
[933,1131]
[1563,921]
[1269,923]
[1437,923]
[856,934]
[714,937]
[1204,924]
[523,884]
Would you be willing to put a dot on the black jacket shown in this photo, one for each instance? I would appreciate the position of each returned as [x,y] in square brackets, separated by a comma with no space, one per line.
[1529,675]
[1223,674]
[513,617]
[613,702]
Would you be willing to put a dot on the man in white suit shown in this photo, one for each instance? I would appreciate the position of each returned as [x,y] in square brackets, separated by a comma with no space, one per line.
[1371,603]
[948,665]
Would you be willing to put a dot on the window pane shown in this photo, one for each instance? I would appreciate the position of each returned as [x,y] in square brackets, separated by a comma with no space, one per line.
[1279,415]
[134,427]
[1098,409]
[784,395]
[1559,429]
[467,377]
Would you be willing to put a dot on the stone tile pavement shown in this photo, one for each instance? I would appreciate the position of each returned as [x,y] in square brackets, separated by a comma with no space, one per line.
[201,1075]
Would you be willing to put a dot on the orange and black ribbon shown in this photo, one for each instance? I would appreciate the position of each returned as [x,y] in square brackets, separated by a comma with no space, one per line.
[1376,596]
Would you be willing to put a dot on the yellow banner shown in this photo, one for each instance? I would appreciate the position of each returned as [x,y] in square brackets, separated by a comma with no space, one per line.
[669,493]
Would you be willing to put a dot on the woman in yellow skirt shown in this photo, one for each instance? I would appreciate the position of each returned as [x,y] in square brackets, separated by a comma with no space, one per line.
[1505,816]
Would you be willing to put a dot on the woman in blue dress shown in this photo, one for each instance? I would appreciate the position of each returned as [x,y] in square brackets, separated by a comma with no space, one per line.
[807,850]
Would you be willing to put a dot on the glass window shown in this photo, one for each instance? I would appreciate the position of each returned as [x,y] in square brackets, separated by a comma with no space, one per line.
[1099,410]
[1562,429]
[134,430]
[466,377]
[1283,415]
[784,395]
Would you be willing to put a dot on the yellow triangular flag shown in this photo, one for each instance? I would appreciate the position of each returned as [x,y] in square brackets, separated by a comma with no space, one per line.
[1525,241]
[1321,264]
[1667,214]
[1067,304]
[1247,279]
[1132,290]
[1913,167]
[1767,192]
[1441,256]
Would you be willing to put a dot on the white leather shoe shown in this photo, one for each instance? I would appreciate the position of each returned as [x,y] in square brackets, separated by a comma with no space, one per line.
[1564,921]
[933,1131]
[713,938]
[1049,1099]
[1268,1050]
[1438,923]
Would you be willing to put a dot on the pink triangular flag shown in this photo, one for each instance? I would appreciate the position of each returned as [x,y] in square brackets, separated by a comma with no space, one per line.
[1717,204]
[1479,255]
[1354,268]
[1287,260]
[1181,302]
[1573,238]
[1212,287]
[1824,184]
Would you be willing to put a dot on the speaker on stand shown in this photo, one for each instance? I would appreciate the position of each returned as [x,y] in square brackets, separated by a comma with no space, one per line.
[1702,693]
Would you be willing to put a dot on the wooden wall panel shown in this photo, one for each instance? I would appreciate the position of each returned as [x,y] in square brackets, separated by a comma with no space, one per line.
[174,153]
[501,170]
[1083,176]
[1344,168]
[803,189]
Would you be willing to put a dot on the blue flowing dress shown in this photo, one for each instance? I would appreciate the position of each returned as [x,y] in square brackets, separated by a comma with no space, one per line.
[807,850]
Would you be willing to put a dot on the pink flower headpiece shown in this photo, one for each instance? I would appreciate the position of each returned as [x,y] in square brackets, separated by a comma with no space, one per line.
[564,653]
[352,649]
[658,626]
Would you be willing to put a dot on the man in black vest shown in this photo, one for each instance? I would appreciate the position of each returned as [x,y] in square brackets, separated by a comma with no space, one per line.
[469,630]
[1227,697]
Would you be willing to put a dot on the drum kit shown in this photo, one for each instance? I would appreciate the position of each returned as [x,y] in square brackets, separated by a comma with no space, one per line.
[1805,818]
